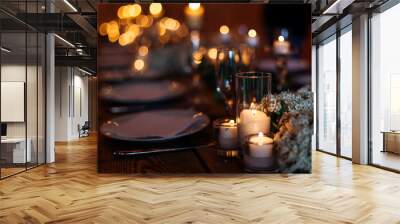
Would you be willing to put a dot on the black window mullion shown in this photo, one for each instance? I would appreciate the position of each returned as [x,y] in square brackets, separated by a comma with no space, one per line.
[338,93]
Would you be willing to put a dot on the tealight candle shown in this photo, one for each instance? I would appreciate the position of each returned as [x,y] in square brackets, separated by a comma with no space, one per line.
[253,121]
[281,46]
[227,136]
[252,38]
[260,146]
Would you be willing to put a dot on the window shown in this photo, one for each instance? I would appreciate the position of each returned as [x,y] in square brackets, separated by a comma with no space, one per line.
[327,96]
[385,88]
[346,92]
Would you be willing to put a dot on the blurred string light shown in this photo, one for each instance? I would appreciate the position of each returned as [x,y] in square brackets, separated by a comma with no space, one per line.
[143,51]
[224,29]
[170,24]
[103,29]
[252,33]
[129,11]
[212,53]
[156,9]
[161,29]
[194,9]
[194,6]
[144,21]
[113,31]
[139,64]
[134,28]
[126,38]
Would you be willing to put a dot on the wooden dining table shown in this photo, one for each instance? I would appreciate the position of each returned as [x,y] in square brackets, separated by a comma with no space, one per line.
[199,153]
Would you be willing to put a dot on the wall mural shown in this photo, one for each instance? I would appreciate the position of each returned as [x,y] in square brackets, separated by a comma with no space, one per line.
[204,88]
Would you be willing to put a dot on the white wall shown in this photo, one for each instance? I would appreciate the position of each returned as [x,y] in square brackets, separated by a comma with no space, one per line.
[33,127]
[71,94]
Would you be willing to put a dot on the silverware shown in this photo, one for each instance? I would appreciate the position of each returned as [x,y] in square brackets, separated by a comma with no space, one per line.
[137,152]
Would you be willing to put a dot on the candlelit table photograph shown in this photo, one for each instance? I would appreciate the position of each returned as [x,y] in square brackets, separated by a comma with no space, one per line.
[183,88]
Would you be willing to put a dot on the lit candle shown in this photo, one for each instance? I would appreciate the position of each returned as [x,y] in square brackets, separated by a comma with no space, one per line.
[281,46]
[252,38]
[252,121]
[227,137]
[224,32]
[260,146]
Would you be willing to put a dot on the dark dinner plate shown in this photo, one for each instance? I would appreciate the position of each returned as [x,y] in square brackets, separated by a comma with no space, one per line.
[155,126]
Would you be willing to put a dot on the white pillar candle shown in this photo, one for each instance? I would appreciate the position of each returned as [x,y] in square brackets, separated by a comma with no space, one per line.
[227,136]
[261,146]
[252,121]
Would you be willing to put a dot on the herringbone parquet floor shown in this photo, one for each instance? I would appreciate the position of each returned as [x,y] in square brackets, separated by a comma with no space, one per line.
[71,191]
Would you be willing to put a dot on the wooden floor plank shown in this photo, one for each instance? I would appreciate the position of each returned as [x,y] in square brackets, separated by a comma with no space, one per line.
[71,191]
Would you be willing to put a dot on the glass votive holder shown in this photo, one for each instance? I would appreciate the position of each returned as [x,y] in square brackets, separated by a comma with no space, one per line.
[258,153]
[252,90]
[226,134]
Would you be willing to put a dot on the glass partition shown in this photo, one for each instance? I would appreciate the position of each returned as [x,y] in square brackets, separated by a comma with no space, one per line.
[346,93]
[385,89]
[14,153]
[327,96]
[22,88]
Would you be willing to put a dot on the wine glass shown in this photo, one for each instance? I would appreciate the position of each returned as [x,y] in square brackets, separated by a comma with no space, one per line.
[228,63]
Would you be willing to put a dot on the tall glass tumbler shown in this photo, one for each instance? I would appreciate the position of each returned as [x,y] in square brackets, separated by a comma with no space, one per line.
[253,89]
[228,64]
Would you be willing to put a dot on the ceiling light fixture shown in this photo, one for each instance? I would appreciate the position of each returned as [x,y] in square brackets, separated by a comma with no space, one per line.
[70,5]
[64,40]
[84,71]
[337,7]
[5,50]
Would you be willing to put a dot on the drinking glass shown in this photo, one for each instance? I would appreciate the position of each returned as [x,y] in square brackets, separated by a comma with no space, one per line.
[228,63]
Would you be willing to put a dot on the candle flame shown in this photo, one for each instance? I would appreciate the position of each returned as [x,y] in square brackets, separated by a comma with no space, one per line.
[231,122]
[224,29]
[252,33]
[260,134]
[281,38]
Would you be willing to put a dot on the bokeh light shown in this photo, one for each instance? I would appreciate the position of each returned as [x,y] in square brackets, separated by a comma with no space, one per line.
[129,11]
[138,64]
[143,50]
[194,6]
[155,9]
[144,21]
[224,29]
[252,33]
[170,24]
[103,29]
[212,53]
[113,31]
